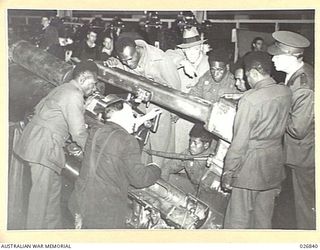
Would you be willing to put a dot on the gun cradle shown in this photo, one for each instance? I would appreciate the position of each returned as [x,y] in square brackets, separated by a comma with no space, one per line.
[176,209]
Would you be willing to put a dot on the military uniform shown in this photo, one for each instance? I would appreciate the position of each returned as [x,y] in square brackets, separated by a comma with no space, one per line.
[299,145]
[299,139]
[254,163]
[41,145]
[212,91]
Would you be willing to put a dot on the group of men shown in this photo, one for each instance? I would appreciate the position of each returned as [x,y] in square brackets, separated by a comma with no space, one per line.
[273,127]
[61,44]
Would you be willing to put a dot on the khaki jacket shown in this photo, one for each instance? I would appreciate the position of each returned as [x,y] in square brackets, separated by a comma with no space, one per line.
[255,157]
[300,137]
[212,91]
[57,116]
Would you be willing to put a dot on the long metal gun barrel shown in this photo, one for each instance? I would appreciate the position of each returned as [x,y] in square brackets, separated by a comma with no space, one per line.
[162,95]
[40,63]
[218,117]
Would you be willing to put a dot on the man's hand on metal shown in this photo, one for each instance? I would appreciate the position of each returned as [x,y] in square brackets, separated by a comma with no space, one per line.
[216,185]
[74,149]
[188,68]
[149,116]
[68,55]
[112,62]
[152,114]
[210,160]
[226,180]
[174,118]
[232,96]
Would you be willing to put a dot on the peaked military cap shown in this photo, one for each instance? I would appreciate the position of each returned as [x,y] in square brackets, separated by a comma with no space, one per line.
[287,42]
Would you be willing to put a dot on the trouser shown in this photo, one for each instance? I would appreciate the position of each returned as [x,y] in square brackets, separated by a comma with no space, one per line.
[248,209]
[217,201]
[164,138]
[303,181]
[44,211]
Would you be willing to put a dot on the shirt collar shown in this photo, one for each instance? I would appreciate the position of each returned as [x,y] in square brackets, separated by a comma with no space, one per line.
[150,53]
[94,45]
[105,50]
[264,82]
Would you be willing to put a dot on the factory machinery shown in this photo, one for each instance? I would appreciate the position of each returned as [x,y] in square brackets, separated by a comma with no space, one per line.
[33,73]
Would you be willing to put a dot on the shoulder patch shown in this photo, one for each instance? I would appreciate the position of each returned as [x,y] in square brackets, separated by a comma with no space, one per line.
[303,80]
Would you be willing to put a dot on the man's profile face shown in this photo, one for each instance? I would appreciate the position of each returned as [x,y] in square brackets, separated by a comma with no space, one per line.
[258,45]
[193,53]
[283,62]
[218,70]
[88,83]
[196,146]
[240,82]
[44,21]
[129,57]
[108,43]
[92,37]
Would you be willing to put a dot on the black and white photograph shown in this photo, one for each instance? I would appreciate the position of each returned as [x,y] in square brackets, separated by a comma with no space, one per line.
[161,119]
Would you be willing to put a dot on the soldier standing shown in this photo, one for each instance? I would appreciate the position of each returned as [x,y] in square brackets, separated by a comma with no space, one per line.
[287,54]
[254,165]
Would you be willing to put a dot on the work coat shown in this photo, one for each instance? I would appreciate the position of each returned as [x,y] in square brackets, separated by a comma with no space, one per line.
[255,159]
[183,126]
[300,137]
[56,117]
[300,145]
[111,163]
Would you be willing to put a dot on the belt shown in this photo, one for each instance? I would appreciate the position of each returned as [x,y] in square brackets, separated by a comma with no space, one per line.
[260,144]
